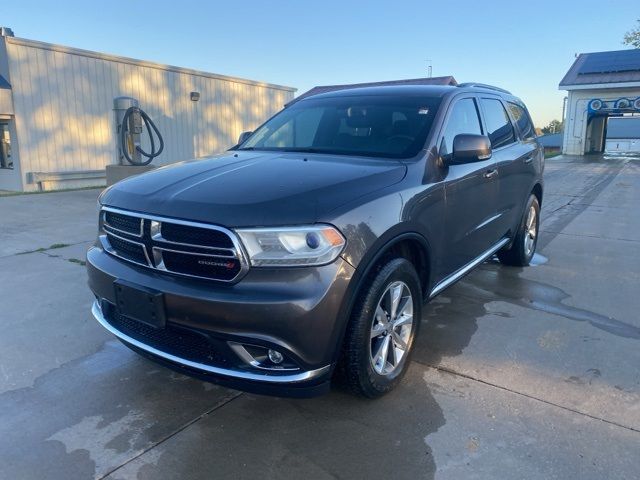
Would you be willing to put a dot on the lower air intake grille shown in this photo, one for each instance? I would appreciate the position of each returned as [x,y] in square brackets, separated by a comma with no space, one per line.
[176,341]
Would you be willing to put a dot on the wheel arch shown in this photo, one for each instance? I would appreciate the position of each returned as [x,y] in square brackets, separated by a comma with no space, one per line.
[409,244]
[537,191]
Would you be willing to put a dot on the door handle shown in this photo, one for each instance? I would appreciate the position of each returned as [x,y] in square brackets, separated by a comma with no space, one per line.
[528,158]
[490,173]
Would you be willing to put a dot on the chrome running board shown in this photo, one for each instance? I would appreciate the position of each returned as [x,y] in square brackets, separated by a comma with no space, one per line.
[458,274]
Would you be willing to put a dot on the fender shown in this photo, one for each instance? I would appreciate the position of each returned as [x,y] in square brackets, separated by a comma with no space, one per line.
[391,237]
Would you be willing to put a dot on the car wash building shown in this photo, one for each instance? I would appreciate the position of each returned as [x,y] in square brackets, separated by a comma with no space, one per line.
[601,86]
[57,119]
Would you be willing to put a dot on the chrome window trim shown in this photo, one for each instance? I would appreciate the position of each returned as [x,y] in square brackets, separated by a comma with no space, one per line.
[237,374]
[159,266]
[118,230]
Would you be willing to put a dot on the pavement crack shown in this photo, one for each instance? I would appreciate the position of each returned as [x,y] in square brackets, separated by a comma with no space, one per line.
[526,395]
[44,250]
[215,407]
[601,237]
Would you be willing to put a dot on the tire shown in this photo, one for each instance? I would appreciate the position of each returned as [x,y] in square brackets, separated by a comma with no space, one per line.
[524,244]
[372,375]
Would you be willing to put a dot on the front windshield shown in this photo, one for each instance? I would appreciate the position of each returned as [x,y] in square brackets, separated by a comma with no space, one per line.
[375,125]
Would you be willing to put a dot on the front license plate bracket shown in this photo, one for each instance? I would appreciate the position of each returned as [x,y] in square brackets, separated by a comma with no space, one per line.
[138,303]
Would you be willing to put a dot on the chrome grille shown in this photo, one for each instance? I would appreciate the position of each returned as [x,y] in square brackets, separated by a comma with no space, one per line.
[124,248]
[118,222]
[183,234]
[174,246]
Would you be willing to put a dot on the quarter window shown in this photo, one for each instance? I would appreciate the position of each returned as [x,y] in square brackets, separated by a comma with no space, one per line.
[522,120]
[463,119]
[499,126]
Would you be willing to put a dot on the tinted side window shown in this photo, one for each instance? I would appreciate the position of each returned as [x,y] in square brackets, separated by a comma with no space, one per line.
[523,121]
[499,126]
[463,119]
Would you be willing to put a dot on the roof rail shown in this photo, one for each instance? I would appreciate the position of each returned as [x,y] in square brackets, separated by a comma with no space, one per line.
[483,85]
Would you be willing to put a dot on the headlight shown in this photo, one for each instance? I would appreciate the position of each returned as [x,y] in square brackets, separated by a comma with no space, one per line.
[292,246]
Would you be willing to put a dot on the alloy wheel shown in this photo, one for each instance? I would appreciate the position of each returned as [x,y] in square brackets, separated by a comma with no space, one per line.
[531,231]
[391,328]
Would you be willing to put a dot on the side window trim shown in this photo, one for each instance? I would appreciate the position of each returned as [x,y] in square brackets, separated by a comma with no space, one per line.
[513,127]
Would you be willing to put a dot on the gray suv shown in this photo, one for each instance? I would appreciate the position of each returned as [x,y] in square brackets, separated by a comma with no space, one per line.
[305,253]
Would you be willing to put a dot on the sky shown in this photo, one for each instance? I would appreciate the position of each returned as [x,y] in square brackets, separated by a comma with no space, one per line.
[525,47]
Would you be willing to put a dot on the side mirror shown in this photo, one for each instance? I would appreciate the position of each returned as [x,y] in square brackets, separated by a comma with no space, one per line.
[243,137]
[468,148]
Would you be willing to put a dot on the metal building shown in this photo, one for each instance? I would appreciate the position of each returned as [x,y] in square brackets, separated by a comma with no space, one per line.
[601,85]
[57,119]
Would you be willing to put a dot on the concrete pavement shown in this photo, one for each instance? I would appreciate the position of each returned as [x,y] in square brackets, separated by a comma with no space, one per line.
[517,373]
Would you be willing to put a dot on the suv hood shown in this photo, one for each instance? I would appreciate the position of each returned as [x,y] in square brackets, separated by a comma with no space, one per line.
[241,189]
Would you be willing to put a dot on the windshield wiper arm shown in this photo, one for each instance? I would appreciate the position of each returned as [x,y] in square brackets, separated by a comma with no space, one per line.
[303,150]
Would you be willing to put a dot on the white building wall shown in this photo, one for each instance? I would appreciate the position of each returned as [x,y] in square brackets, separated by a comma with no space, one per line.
[575,130]
[63,102]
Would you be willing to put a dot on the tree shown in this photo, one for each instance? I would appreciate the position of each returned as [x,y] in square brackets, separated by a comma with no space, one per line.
[632,37]
[555,126]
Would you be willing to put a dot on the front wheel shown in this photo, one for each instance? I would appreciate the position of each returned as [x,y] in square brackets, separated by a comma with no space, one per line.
[382,329]
[524,244]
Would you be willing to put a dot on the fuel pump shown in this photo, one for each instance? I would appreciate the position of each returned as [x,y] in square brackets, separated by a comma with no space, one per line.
[131,123]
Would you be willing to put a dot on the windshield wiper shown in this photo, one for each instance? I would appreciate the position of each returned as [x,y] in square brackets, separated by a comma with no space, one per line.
[302,150]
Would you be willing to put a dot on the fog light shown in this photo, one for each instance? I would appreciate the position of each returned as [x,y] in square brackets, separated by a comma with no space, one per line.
[275,356]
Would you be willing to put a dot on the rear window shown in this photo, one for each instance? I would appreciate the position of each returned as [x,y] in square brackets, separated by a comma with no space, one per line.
[523,122]
[499,126]
[380,125]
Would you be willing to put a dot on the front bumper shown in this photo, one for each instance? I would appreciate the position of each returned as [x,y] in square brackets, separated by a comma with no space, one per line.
[292,310]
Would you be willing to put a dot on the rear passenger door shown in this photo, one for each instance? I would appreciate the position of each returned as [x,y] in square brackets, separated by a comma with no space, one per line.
[520,178]
[470,190]
[507,153]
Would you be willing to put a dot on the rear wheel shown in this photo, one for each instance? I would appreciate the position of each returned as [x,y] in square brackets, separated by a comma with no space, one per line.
[524,244]
[382,329]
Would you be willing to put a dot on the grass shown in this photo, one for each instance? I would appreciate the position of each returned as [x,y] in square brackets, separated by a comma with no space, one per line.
[551,154]
[82,263]
[44,249]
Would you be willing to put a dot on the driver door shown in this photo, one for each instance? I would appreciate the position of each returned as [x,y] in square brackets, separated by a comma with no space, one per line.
[471,193]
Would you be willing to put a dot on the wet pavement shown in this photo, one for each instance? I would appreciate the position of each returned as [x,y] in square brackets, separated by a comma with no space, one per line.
[518,373]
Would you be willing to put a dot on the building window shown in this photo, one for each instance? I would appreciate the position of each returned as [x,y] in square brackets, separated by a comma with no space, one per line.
[5,146]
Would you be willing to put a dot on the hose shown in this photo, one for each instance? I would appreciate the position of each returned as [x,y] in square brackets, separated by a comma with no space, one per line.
[148,123]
